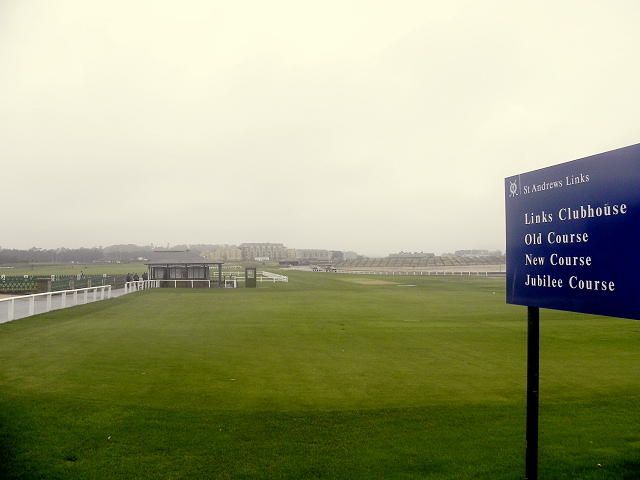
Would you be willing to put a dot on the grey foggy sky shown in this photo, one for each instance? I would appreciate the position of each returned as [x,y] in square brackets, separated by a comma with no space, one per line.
[373,126]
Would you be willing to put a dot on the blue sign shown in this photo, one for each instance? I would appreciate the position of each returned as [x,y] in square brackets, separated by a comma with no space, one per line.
[573,235]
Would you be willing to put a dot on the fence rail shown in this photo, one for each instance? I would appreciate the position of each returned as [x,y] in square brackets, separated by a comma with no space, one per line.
[174,282]
[263,276]
[27,305]
[229,279]
[136,285]
[426,273]
[441,271]
[29,283]
[273,276]
[21,306]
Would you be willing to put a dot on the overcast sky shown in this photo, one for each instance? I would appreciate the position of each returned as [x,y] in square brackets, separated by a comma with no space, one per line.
[372,126]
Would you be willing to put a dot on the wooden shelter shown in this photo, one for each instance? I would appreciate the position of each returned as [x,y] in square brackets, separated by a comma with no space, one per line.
[183,269]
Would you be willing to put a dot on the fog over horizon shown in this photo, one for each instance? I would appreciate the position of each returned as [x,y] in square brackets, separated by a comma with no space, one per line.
[374,127]
[200,248]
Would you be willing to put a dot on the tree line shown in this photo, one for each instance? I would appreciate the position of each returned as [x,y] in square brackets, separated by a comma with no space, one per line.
[57,255]
[111,254]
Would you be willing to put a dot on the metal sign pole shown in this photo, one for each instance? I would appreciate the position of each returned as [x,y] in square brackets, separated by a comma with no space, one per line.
[533,382]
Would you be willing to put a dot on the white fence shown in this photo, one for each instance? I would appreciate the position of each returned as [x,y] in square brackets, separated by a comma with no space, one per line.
[230,280]
[27,305]
[140,285]
[489,270]
[22,306]
[174,282]
[420,273]
[274,277]
[262,277]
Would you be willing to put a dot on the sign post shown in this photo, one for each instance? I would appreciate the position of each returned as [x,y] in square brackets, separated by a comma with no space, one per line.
[533,384]
[573,232]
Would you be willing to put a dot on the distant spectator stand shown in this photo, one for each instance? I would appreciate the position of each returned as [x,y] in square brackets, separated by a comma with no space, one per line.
[184,269]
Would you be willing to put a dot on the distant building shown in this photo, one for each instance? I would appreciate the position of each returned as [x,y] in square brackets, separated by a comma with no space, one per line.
[225,254]
[318,255]
[411,255]
[274,251]
[258,252]
[478,253]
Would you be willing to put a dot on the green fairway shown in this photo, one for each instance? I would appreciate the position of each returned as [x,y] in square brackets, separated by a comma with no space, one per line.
[327,376]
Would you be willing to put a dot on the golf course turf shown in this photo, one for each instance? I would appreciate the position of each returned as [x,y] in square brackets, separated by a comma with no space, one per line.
[327,376]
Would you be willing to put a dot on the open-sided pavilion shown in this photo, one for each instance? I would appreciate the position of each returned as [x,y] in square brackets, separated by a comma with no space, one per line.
[183,269]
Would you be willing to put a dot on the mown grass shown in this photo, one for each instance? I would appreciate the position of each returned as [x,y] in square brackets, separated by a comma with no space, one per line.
[328,376]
